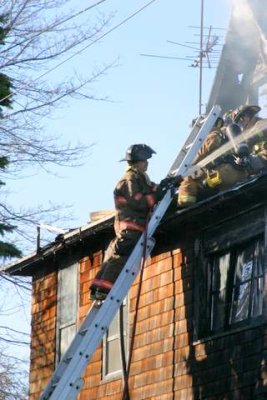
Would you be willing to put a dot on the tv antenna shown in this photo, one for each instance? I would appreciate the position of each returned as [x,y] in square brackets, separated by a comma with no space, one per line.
[203,58]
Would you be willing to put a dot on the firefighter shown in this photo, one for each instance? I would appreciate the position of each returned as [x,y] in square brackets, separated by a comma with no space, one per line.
[191,187]
[246,117]
[134,196]
[223,173]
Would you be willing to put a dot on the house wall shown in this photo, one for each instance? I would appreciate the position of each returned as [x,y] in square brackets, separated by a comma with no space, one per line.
[43,335]
[167,363]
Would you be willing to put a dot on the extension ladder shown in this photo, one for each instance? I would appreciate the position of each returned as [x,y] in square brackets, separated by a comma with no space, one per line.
[66,381]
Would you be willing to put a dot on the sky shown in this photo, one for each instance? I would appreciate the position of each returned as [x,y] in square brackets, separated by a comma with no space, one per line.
[150,100]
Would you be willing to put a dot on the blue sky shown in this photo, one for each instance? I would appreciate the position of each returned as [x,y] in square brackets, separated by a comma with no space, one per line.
[151,100]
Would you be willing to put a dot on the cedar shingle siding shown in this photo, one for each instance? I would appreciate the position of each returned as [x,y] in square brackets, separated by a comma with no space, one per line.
[43,339]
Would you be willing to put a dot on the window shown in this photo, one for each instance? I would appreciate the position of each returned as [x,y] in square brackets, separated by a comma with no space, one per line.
[236,285]
[112,365]
[229,274]
[66,307]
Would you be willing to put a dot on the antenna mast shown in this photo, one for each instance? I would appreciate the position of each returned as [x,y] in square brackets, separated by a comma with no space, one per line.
[201,57]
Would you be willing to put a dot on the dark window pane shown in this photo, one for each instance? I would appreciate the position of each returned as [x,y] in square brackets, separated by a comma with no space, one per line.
[259,254]
[240,306]
[218,313]
[257,299]
[247,292]
[236,285]
[244,265]
[242,285]
[258,282]
[219,284]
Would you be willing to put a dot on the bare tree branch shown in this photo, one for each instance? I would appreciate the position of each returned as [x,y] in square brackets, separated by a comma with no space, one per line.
[37,35]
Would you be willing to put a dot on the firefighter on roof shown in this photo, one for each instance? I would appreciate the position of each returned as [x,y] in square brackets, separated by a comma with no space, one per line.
[134,196]
[223,173]
[245,116]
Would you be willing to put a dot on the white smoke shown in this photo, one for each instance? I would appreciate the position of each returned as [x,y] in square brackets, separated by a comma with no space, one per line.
[241,10]
[249,17]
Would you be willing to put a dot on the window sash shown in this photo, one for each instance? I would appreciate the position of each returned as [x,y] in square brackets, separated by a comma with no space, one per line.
[236,285]
[66,335]
[112,364]
[67,307]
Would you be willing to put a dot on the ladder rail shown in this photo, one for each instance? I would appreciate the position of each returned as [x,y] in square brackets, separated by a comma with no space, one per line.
[205,128]
[188,143]
[61,367]
[66,381]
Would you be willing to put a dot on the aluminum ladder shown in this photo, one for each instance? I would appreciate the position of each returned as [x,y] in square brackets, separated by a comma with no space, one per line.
[66,381]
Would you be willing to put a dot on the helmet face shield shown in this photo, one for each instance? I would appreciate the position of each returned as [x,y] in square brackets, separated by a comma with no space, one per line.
[138,152]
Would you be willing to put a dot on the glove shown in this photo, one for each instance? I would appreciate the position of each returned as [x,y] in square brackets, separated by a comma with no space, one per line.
[170,181]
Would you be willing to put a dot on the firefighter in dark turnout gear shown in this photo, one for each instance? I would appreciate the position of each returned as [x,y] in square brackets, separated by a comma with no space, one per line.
[191,187]
[246,117]
[228,170]
[134,196]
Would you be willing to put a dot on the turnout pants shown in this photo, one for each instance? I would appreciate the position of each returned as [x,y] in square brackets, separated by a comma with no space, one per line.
[115,258]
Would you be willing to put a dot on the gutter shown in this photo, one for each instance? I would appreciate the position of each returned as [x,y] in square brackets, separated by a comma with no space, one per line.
[60,243]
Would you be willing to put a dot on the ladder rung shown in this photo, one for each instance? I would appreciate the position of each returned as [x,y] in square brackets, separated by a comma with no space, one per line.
[83,332]
[188,146]
[67,360]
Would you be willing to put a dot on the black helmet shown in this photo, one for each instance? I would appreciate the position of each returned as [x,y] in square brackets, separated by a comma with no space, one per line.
[249,110]
[233,130]
[138,152]
[219,123]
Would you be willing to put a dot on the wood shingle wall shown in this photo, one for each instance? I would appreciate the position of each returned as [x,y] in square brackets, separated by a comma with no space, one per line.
[167,364]
[43,339]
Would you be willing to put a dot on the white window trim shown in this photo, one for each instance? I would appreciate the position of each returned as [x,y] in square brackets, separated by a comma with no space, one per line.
[116,374]
[58,326]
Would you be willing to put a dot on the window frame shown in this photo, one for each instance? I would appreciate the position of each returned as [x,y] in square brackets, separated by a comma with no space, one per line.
[218,239]
[116,336]
[75,320]
[232,287]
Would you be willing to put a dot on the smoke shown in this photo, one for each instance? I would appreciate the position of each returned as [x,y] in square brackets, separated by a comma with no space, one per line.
[241,10]
[244,53]
[249,21]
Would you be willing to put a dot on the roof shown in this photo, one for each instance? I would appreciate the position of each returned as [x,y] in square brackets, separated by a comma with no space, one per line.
[26,265]
[249,194]
[242,197]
